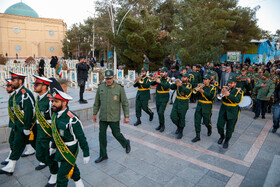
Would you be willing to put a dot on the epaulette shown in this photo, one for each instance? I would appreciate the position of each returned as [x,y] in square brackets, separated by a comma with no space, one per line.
[70,114]
[49,95]
[23,91]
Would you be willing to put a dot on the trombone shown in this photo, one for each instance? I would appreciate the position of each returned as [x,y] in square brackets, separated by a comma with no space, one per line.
[221,95]
[200,86]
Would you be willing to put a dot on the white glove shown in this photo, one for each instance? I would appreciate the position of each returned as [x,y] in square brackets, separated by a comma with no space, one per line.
[52,151]
[86,159]
[26,132]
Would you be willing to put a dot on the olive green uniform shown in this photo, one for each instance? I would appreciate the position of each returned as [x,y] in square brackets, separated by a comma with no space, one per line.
[25,102]
[70,130]
[275,80]
[195,79]
[108,99]
[229,112]
[162,97]
[204,107]
[11,122]
[244,85]
[181,104]
[142,97]
[43,139]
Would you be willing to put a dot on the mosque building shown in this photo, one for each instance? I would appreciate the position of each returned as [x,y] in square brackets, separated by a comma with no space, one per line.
[23,33]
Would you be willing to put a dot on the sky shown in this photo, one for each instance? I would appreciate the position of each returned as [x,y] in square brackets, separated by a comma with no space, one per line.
[77,11]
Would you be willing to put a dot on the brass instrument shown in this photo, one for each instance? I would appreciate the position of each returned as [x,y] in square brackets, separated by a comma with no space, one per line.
[200,86]
[172,80]
[140,80]
[221,95]
[155,78]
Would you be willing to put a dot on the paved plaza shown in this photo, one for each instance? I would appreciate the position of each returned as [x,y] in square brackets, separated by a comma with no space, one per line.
[158,159]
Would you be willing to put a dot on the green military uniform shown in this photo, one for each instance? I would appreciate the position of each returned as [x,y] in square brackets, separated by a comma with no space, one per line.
[146,63]
[181,105]
[229,113]
[204,107]
[162,98]
[70,130]
[23,99]
[196,78]
[108,99]
[44,135]
[275,79]
[142,97]
[11,121]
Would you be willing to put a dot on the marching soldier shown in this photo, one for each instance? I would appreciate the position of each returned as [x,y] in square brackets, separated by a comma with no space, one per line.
[162,96]
[109,96]
[229,111]
[182,71]
[67,131]
[143,96]
[206,97]
[10,91]
[181,104]
[194,82]
[23,105]
[44,131]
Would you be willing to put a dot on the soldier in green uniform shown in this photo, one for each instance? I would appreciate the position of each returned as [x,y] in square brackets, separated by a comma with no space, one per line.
[257,77]
[229,111]
[181,104]
[23,105]
[67,132]
[194,82]
[44,132]
[142,96]
[265,89]
[10,91]
[109,96]
[162,96]
[243,81]
[275,80]
[206,96]
[182,70]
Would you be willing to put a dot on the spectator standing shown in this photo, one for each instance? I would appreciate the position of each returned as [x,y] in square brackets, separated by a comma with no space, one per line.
[276,112]
[167,62]
[146,62]
[41,67]
[225,76]
[82,76]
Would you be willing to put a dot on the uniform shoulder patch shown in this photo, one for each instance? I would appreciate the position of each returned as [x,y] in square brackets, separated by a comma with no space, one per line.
[49,95]
[23,91]
[70,114]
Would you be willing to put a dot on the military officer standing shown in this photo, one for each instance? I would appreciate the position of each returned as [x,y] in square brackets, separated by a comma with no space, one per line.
[23,105]
[275,80]
[229,111]
[181,104]
[44,132]
[10,91]
[206,96]
[265,89]
[142,96]
[67,131]
[109,96]
[162,96]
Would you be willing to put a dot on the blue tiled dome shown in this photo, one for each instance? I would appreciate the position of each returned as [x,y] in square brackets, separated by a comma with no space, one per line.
[21,9]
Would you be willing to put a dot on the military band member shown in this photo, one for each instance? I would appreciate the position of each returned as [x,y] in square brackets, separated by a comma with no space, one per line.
[10,91]
[257,77]
[67,132]
[44,132]
[23,105]
[143,96]
[206,96]
[229,111]
[181,104]
[109,96]
[162,96]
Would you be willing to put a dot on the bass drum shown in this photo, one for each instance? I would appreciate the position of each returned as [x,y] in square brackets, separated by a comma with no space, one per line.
[246,102]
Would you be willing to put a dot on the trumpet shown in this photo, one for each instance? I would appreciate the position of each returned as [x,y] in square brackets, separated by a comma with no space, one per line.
[140,80]
[200,86]
[155,78]
[172,80]
[221,95]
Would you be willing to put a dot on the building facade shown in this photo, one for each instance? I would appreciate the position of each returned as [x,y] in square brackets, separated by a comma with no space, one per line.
[23,33]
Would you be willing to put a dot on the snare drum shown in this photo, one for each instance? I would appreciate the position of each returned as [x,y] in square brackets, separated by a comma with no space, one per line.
[246,102]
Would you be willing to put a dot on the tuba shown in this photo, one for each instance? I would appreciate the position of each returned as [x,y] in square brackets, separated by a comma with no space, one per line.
[200,86]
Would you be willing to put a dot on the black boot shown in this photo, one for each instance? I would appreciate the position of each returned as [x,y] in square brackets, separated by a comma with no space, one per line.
[273,131]
[269,110]
[162,128]
[177,130]
[209,131]
[138,122]
[180,133]
[220,141]
[159,127]
[225,146]
[197,138]
[151,117]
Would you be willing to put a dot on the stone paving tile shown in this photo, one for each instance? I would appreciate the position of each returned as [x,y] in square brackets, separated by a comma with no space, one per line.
[218,176]
[191,175]
[128,177]
[11,183]
[160,176]
[210,181]
[146,182]
[179,182]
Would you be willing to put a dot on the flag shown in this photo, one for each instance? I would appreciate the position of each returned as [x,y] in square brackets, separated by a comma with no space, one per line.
[59,71]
